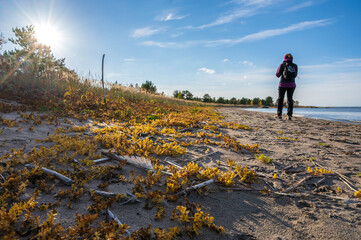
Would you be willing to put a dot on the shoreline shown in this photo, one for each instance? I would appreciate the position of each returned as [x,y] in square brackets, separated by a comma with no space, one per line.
[330,116]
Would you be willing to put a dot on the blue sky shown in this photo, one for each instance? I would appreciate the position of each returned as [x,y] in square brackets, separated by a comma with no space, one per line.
[223,48]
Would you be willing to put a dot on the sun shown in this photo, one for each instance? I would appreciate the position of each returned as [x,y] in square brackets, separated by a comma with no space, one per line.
[48,34]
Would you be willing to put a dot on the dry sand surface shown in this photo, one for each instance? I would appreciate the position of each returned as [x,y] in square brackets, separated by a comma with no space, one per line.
[323,207]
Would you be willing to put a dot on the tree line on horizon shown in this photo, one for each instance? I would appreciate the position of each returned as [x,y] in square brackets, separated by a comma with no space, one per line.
[187,95]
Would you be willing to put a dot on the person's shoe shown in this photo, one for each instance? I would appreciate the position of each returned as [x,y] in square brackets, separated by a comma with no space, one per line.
[289,118]
[278,116]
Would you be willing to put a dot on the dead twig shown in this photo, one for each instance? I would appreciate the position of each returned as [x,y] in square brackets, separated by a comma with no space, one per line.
[203,184]
[113,217]
[172,163]
[59,176]
[102,193]
[297,184]
[101,160]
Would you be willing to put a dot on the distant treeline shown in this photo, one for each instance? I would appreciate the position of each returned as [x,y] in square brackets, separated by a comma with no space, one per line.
[185,94]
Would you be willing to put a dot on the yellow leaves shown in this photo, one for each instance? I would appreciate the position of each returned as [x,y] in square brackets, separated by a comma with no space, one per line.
[275,176]
[247,176]
[208,173]
[161,213]
[8,122]
[230,163]
[227,178]
[194,218]
[318,171]
[358,194]
[263,158]
[80,128]
[183,213]
[162,234]
[67,94]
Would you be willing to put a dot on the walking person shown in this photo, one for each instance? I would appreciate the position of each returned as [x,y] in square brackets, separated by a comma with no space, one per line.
[288,72]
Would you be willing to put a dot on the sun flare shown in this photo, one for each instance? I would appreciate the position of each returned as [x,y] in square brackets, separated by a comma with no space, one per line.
[48,34]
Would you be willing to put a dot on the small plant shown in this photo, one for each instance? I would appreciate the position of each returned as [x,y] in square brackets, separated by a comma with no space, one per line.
[325,145]
[263,158]
[358,194]
[318,171]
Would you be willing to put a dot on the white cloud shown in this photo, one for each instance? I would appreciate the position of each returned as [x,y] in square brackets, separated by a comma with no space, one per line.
[259,3]
[145,32]
[225,60]
[170,44]
[248,38]
[248,63]
[160,44]
[170,15]
[129,60]
[206,70]
[248,8]
[272,32]
[229,18]
[299,6]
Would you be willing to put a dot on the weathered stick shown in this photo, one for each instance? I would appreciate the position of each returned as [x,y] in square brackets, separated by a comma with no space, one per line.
[195,187]
[133,197]
[342,177]
[101,160]
[102,193]
[347,184]
[172,163]
[113,217]
[296,185]
[59,176]
[184,129]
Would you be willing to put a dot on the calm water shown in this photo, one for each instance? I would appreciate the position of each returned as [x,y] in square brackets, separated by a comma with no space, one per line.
[342,114]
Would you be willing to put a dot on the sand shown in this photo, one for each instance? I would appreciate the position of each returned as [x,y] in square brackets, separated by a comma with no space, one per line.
[323,207]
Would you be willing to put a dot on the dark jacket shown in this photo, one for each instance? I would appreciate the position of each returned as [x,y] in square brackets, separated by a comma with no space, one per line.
[286,82]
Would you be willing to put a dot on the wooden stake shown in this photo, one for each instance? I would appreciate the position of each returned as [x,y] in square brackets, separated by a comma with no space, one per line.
[105,102]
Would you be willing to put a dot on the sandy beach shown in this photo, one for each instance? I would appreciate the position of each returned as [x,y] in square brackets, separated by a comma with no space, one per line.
[287,202]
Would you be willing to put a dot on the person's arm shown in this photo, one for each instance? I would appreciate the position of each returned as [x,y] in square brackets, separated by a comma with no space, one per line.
[296,70]
[279,71]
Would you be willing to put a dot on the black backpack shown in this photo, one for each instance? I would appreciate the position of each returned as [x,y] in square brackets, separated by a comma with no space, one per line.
[289,71]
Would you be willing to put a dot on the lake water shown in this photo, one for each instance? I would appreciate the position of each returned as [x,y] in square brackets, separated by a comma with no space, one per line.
[342,114]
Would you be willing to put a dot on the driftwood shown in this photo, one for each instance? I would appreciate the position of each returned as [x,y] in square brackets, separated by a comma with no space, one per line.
[133,197]
[101,160]
[59,176]
[297,184]
[102,193]
[113,217]
[172,163]
[195,187]
[184,130]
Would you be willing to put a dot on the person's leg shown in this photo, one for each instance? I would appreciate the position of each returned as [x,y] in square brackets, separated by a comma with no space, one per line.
[290,92]
[281,96]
